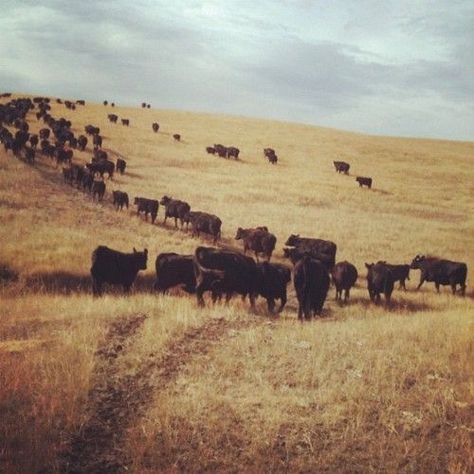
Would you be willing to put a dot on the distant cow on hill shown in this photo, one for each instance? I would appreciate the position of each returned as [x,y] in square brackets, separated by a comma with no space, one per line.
[341,166]
[233,152]
[176,209]
[126,122]
[82,142]
[155,126]
[311,281]
[120,199]
[364,181]
[121,165]
[147,206]
[173,270]
[441,272]
[344,276]
[111,266]
[112,118]
[98,189]
[270,154]
[101,167]
[221,150]
[379,280]
[259,240]
[177,137]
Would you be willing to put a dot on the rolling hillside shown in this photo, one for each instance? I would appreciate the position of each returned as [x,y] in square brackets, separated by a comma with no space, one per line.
[156,384]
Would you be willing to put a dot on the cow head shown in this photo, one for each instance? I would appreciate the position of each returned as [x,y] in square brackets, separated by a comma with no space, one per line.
[240,233]
[165,200]
[416,261]
[369,265]
[292,239]
[141,258]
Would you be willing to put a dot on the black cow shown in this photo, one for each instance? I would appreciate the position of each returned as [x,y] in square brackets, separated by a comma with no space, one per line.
[99,155]
[344,275]
[311,281]
[121,165]
[34,140]
[400,273]
[155,126]
[80,102]
[44,133]
[379,280]
[272,280]
[224,272]
[233,152]
[341,166]
[176,209]
[204,222]
[77,172]
[112,118]
[87,180]
[177,137]
[98,189]
[120,199]
[91,130]
[147,206]
[364,181]
[221,150]
[323,250]
[82,142]
[211,150]
[97,141]
[102,166]
[270,154]
[125,122]
[173,270]
[111,266]
[441,272]
[259,240]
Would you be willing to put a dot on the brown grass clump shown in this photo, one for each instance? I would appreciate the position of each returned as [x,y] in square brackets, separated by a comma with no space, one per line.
[364,389]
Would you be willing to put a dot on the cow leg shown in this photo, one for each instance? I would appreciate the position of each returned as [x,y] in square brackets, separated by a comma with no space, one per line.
[463,289]
[453,287]
[422,280]
[271,305]
[199,296]
[96,287]
[346,295]
[252,301]
[176,222]
[402,284]
[282,302]
[437,286]
[164,221]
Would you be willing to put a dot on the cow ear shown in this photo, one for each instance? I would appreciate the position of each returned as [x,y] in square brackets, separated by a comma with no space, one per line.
[368,265]
[145,251]
[134,250]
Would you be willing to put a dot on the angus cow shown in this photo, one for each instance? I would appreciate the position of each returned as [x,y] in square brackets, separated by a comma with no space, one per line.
[344,275]
[77,172]
[441,272]
[311,281]
[176,209]
[173,270]
[363,181]
[211,150]
[147,206]
[102,166]
[379,280]
[82,142]
[125,122]
[270,154]
[112,118]
[105,102]
[400,273]
[272,280]
[120,199]
[111,266]
[323,250]
[233,152]
[177,137]
[341,166]
[99,155]
[221,150]
[259,240]
[97,141]
[204,222]
[155,126]
[44,133]
[34,141]
[98,189]
[87,180]
[224,272]
[121,165]
[62,155]
[80,102]
[91,130]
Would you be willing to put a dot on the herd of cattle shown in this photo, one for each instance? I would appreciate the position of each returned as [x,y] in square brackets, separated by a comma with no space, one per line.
[220,272]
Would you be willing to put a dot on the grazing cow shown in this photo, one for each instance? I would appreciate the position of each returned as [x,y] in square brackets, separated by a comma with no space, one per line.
[120,165]
[259,240]
[176,209]
[105,102]
[97,141]
[379,280]
[363,181]
[87,180]
[126,122]
[221,150]
[111,266]
[147,206]
[441,272]
[120,199]
[173,270]
[80,102]
[82,142]
[344,275]
[177,137]
[112,104]
[400,273]
[341,166]
[98,188]
[311,281]
[204,222]
[323,250]
[270,154]
[63,155]
[272,280]
[211,150]
[233,152]
[224,272]
[155,126]
[112,118]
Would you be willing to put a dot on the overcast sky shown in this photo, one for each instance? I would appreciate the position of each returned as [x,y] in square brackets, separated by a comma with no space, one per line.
[392,67]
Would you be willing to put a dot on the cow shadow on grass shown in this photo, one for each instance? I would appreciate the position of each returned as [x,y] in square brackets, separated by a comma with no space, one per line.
[397,304]
[381,191]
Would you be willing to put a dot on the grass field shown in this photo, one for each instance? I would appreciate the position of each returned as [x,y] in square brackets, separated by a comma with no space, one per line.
[220,389]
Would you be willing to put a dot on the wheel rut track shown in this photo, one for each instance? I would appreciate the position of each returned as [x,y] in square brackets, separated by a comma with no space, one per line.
[117,399]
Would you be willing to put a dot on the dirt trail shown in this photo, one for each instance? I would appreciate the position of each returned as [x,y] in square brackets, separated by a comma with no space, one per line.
[116,399]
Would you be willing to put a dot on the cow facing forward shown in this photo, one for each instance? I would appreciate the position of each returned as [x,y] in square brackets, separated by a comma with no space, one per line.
[116,268]
[441,272]
[379,280]
[259,240]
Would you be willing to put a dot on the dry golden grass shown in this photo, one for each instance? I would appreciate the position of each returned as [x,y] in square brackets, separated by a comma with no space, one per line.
[365,389]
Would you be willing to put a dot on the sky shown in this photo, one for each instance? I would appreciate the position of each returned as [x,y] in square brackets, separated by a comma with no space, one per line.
[385,67]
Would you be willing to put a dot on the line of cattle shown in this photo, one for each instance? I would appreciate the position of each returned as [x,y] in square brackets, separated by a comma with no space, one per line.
[343,167]
[210,269]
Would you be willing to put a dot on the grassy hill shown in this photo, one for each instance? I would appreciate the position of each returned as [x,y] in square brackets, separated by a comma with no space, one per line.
[157,384]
